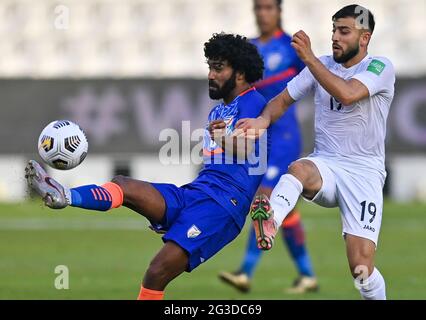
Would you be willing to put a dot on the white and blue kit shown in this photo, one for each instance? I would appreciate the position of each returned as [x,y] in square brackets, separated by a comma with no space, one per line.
[350,143]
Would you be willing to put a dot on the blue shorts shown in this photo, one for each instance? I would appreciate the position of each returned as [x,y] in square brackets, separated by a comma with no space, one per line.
[196,222]
[282,153]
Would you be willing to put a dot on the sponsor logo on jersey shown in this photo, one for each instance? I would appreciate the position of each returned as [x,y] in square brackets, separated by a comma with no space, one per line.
[369,228]
[376,66]
[193,232]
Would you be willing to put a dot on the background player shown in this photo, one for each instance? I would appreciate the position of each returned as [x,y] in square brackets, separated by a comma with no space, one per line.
[199,218]
[281,65]
[353,94]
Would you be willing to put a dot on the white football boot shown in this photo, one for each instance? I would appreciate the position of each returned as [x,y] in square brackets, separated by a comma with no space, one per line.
[54,195]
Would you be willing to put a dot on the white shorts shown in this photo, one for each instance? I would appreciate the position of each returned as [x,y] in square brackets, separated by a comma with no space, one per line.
[359,198]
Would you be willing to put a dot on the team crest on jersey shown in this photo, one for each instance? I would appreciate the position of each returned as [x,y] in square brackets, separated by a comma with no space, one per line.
[229,122]
[274,61]
[193,232]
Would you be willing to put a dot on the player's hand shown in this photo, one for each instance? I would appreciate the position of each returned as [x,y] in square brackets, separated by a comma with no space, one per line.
[217,128]
[251,128]
[302,44]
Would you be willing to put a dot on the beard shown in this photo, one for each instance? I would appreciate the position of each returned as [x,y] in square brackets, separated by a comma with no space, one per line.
[346,56]
[225,90]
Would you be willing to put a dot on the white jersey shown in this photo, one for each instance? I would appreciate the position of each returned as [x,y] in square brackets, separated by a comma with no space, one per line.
[352,135]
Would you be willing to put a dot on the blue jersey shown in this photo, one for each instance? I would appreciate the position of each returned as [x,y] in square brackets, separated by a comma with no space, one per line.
[281,65]
[230,181]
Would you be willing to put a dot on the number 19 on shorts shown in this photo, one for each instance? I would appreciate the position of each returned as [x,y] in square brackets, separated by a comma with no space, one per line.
[370,208]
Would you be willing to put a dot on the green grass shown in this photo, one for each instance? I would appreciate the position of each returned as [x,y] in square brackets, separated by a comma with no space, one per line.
[108,253]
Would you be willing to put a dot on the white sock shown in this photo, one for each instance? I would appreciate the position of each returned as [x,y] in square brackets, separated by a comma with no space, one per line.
[284,196]
[374,287]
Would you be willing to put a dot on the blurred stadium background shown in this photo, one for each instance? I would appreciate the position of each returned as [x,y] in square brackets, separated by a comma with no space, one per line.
[125,70]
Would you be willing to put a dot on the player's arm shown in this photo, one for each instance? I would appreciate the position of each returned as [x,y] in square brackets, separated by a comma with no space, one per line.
[239,144]
[275,108]
[345,91]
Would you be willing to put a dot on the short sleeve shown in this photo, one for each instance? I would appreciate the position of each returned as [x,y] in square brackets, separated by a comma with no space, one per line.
[301,84]
[379,76]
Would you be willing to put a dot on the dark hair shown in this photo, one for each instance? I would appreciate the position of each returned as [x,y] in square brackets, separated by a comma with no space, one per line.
[355,11]
[238,52]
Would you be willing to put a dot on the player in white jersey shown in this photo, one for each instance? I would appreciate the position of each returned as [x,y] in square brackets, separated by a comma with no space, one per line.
[353,93]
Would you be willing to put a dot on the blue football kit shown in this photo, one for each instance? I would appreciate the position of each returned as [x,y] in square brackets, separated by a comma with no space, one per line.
[208,213]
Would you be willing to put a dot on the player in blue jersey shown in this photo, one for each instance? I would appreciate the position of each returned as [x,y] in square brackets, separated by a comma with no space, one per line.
[202,217]
[281,65]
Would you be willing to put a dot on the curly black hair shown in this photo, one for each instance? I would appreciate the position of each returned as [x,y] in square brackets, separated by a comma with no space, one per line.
[241,55]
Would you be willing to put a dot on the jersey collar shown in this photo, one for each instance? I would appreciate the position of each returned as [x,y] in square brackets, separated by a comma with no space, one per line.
[237,97]
[246,91]
[278,33]
[341,67]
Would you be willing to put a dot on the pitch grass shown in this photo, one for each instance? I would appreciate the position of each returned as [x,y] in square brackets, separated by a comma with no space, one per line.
[108,253]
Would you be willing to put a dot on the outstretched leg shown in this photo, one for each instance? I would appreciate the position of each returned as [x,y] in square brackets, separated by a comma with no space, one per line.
[303,177]
[142,197]
[137,195]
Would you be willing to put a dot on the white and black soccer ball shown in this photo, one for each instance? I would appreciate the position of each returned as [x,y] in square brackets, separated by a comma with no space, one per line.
[62,145]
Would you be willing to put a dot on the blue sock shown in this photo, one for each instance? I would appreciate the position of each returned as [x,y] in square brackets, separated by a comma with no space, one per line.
[294,238]
[252,256]
[91,197]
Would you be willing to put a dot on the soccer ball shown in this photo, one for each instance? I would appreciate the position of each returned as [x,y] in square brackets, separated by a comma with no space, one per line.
[62,145]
